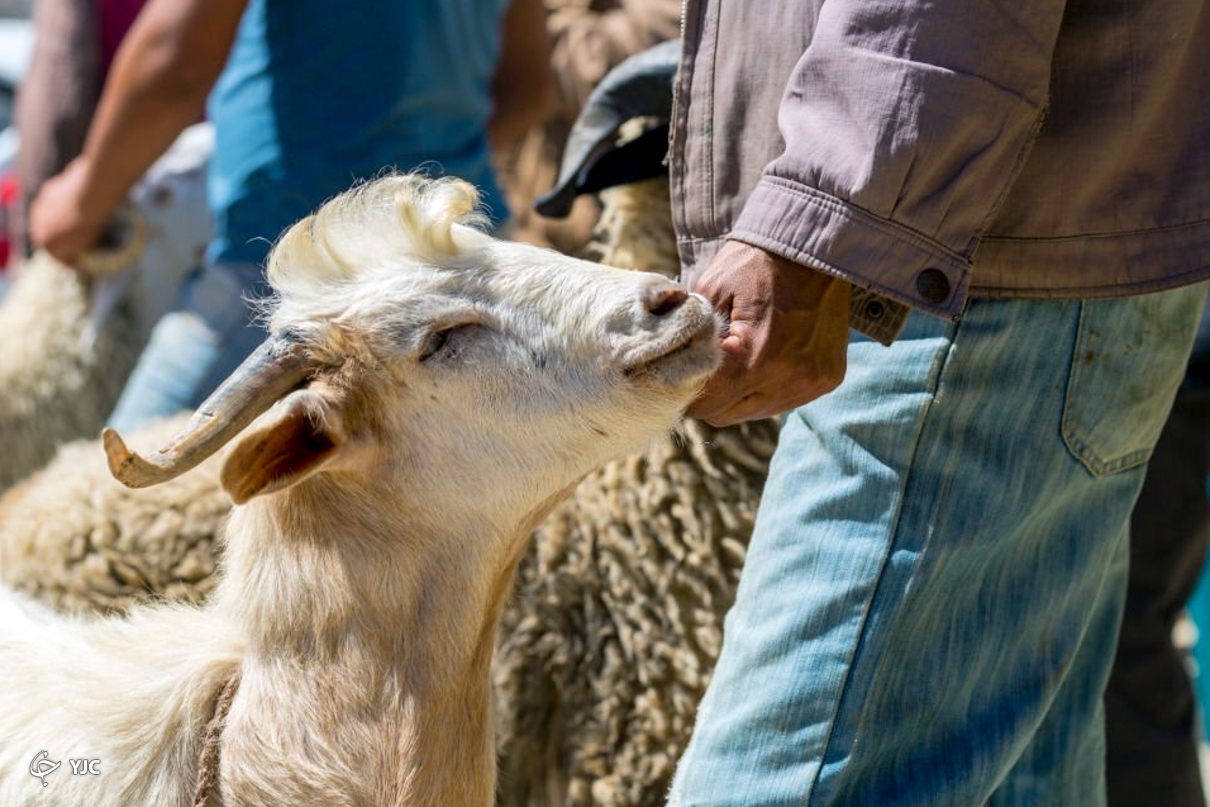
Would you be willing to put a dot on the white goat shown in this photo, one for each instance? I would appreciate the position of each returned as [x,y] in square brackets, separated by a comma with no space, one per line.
[439,392]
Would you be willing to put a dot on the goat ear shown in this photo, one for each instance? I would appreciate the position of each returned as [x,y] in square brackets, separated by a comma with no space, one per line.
[291,446]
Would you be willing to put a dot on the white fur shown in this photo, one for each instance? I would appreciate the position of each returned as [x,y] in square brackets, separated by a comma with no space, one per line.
[359,605]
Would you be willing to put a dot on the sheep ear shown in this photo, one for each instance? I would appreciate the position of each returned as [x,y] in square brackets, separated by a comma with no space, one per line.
[295,443]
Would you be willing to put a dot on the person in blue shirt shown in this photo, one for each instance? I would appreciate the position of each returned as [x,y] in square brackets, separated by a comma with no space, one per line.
[306,97]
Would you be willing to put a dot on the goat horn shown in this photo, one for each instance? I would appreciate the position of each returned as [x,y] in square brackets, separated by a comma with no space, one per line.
[274,369]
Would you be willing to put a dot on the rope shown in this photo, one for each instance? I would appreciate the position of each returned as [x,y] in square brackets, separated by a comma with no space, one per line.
[206,785]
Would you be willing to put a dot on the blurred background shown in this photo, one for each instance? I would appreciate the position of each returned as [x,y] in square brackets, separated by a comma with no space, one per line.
[16,43]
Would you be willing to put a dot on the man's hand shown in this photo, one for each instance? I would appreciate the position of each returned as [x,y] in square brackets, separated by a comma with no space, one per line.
[788,334]
[60,220]
[157,86]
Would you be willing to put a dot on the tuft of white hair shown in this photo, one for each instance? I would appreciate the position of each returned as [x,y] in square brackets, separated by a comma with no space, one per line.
[377,227]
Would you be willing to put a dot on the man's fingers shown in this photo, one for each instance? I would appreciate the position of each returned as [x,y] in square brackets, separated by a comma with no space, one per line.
[724,388]
[787,337]
[66,249]
[775,396]
[751,407]
[707,407]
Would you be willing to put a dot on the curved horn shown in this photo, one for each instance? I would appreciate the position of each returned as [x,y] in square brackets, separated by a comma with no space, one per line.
[274,369]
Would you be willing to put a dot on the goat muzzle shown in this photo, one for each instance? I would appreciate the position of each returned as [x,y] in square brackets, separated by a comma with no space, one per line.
[276,368]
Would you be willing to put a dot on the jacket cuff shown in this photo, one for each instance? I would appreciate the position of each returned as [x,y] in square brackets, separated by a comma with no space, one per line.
[829,235]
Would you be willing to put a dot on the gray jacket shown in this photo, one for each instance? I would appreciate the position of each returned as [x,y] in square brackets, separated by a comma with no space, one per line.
[926,150]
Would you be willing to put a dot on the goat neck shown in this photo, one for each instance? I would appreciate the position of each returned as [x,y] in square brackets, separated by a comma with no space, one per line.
[371,665]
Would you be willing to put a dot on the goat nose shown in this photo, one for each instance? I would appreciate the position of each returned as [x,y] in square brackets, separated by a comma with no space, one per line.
[663,299]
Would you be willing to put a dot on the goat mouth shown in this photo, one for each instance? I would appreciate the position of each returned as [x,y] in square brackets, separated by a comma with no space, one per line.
[689,352]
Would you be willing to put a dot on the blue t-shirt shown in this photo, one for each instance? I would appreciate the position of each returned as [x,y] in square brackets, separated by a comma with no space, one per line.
[316,95]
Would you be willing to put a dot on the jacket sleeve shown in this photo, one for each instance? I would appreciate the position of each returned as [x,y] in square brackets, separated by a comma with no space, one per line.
[904,124]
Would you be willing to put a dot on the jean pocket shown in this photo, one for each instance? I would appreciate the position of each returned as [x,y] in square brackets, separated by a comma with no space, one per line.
[1129,358]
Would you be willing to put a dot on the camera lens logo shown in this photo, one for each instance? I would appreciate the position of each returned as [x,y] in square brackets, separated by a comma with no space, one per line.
[42,766]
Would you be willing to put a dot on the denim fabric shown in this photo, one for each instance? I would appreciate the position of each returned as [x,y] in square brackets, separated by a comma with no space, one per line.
[192,349]
[933,590]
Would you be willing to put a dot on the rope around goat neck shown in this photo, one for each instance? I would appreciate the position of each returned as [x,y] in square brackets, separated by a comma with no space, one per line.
[206,785]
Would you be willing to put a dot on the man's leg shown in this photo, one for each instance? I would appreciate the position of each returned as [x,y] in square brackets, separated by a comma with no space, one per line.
[938,549]
[1149,705]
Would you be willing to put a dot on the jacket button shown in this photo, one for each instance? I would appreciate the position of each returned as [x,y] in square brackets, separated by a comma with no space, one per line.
[933,286]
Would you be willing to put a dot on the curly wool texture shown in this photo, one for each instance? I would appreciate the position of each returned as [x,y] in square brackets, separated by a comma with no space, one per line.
[76,539]
[56,384]
[635,228]
[617,622]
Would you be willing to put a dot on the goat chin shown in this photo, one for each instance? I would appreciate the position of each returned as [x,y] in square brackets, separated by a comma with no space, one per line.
[442,392]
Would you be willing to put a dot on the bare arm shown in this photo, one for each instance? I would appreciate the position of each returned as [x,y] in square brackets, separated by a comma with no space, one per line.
[523,88]
[158,86]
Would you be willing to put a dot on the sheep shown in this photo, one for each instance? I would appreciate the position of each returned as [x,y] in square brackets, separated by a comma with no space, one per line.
[635,228]
[70,342]
[425,398]
[618,624]
[52,387]
[587,37]
[618,621]
[75,539]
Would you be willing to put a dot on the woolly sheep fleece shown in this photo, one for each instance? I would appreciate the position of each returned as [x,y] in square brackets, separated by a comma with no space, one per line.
[608,643]
[56,383]
[59,376]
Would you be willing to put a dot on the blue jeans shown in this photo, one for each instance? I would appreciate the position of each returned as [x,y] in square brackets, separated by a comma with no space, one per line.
[932,595]
[192,349]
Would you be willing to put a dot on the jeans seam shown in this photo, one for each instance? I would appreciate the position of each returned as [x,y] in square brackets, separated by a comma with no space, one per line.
[934,383]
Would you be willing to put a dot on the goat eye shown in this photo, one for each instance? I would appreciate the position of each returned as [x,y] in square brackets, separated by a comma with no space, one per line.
[434,342]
